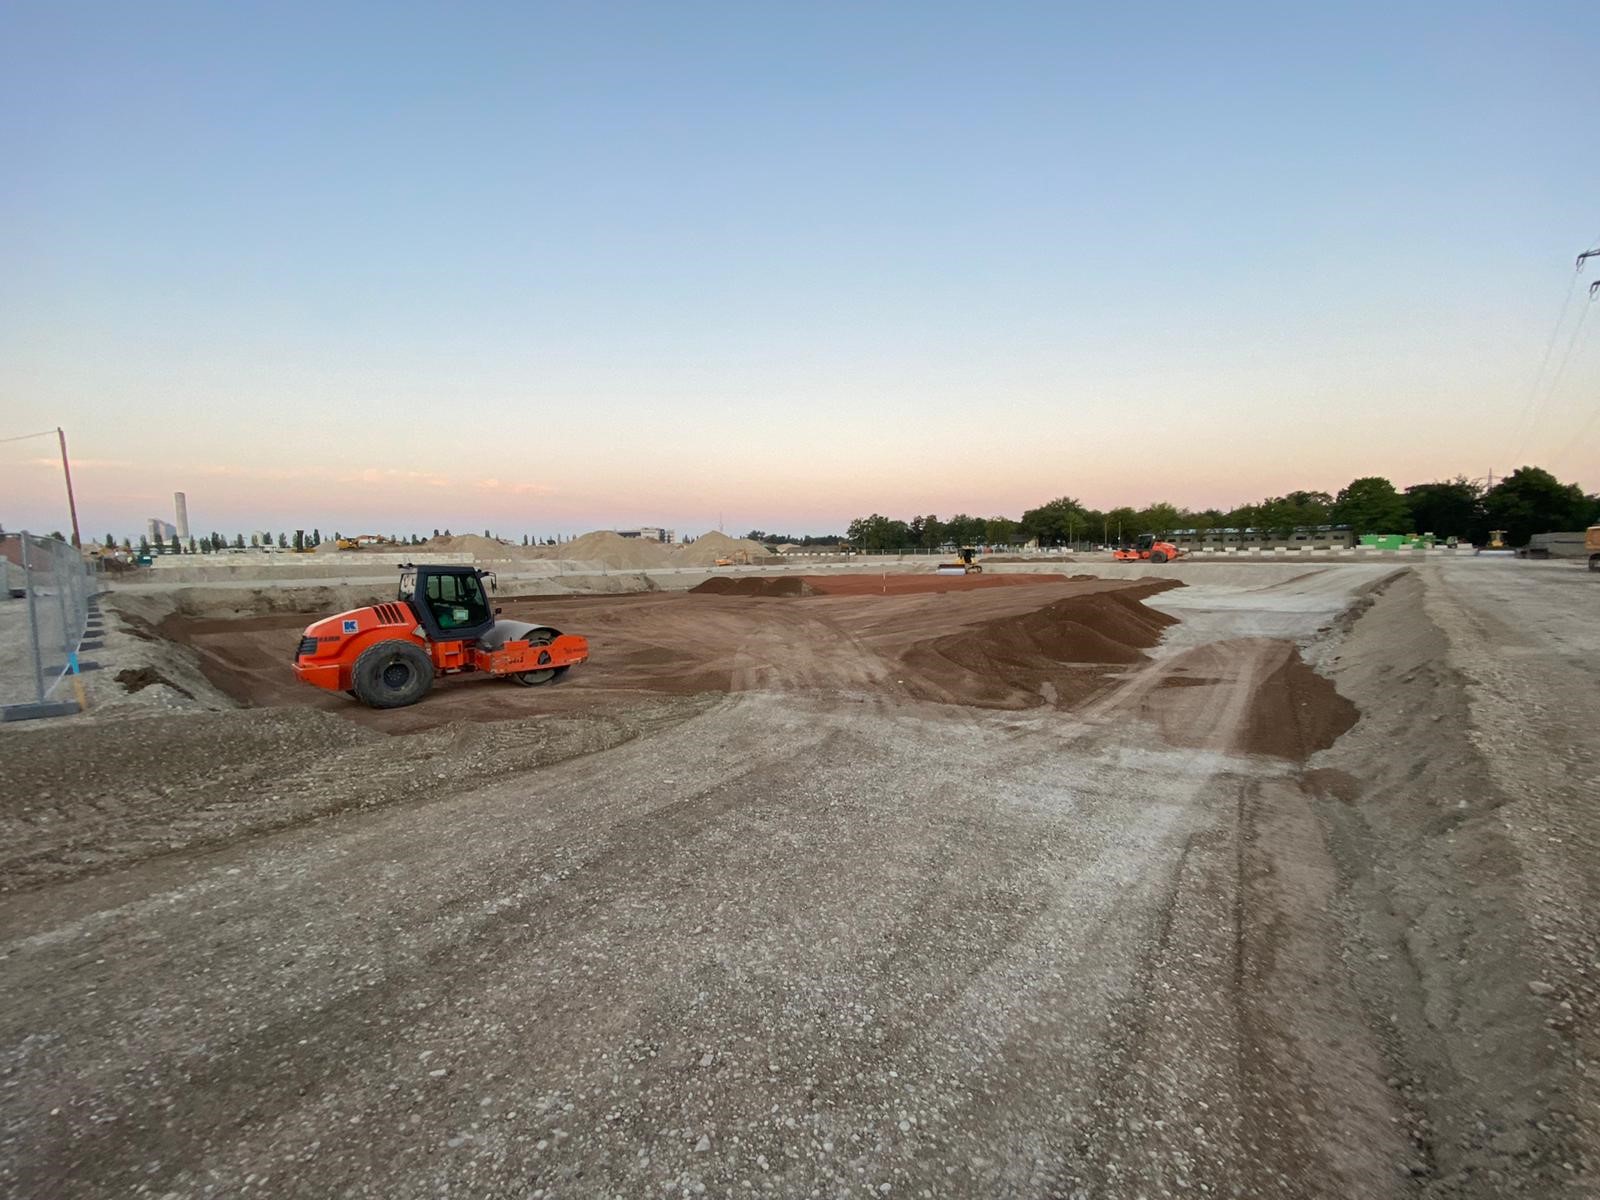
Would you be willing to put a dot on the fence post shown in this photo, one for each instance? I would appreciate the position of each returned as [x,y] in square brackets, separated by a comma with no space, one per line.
[63,582]
[33,620]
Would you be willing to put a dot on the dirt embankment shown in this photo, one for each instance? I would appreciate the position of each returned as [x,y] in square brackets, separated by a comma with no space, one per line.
[1478,967]
[750,585]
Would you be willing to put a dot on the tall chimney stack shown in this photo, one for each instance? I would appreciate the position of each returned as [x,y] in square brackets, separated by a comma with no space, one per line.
[183,514]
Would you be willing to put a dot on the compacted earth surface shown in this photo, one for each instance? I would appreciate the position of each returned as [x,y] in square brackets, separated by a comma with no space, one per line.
[1213,880]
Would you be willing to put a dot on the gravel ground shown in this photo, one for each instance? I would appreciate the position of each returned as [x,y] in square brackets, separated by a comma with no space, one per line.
[817,938]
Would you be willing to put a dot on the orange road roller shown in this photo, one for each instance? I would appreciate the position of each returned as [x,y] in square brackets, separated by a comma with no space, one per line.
[441,623]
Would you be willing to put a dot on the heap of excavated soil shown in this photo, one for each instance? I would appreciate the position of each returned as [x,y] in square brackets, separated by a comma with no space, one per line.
[474,544]
[1056,654]
[1294,713]
[755,586]
[708,547]
[1288,711]
[1102,627]
[613,550]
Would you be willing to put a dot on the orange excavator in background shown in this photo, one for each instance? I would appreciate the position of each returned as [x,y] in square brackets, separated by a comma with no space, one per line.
[1147,549]
[388,655]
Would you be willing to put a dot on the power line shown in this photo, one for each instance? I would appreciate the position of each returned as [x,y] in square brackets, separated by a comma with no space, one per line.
[22,437]
[1529,420]
[1529,405]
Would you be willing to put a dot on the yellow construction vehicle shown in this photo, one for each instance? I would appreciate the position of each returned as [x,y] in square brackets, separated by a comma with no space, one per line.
[965,566]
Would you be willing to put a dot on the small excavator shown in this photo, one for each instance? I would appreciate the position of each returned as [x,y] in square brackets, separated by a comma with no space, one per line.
[965,564]
[1145,548]
[440,623]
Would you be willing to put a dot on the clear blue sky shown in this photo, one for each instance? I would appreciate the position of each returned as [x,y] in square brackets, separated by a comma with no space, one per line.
[546,268]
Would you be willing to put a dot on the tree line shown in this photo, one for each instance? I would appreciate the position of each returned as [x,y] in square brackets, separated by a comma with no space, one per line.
[300,541]
[1530,500]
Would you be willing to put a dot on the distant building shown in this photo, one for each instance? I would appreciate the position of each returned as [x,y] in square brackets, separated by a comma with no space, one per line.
[649,533]
[158,530]
[181,504]
[1302,537]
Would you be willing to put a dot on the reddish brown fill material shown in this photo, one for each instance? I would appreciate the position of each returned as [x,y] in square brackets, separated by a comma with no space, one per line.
[1099,628]
[1248,696]
[755,586]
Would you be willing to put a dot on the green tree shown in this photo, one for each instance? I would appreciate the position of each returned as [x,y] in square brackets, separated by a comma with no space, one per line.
[299,539]
[238,541]
[191,544]
[1122,524]
[58,535]
[924,531]
[1449,508]
[127,545]
[283,540]
[1055,523]
[111,542]
[144,545]
[159,544]
[997,531]
[1530,500]
[1162,517]
[1371,505]
[964,530]
[316,538]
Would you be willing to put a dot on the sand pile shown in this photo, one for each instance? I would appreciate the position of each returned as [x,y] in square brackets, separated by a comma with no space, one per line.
[708,547]
[612,550]
[748,586]
[474,544]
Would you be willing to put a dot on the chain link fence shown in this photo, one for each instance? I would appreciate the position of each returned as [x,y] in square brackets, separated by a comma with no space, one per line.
[44,615]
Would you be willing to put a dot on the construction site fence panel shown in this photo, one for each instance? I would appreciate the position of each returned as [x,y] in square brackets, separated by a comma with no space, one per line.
[44,617]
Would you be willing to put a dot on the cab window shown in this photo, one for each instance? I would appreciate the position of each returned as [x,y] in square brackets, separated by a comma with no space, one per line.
[457,601]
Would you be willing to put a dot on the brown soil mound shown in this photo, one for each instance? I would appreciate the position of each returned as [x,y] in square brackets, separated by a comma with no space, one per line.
[791,586]
[136,679]
[1102,627]
[1056,654]
[1294,713]
[1249,696]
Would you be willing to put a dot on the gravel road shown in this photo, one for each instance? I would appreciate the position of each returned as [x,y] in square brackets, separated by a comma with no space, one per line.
[808,936]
